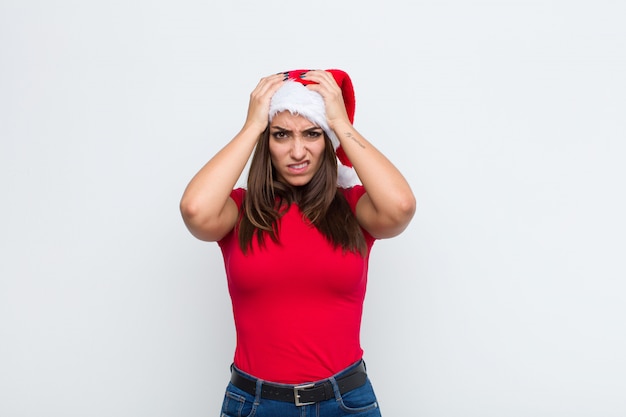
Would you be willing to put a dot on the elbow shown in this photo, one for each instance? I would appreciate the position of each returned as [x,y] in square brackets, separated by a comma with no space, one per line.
[189,209]
[403,213]
[405,210]
[408,206]
[203,222]
[396,220]
[194,218]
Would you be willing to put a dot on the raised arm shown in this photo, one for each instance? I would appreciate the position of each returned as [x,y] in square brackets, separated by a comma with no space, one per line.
[207,209]
[389,204]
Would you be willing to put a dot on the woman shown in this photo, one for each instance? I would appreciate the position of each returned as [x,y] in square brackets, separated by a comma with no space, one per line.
[296,244]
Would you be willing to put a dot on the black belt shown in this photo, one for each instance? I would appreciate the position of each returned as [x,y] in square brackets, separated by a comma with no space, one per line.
[302,394]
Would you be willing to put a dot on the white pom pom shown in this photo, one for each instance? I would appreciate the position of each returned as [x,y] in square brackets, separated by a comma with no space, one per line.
[346,176]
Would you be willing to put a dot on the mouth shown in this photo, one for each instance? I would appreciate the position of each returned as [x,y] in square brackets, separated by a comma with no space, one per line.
[298,167]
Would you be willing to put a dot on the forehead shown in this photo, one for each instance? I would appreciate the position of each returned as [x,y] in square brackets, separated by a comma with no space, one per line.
[288,120]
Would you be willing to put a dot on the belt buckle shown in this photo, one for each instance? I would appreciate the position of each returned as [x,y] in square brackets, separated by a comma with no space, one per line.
[296,394]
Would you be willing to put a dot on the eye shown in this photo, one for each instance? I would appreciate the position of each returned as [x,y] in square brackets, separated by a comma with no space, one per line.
[313,134]
[279,135]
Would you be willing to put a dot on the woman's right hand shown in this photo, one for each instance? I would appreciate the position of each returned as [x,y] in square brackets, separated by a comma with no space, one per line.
[259,106]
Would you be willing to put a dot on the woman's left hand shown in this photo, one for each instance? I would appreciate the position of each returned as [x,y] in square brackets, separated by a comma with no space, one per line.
[327,87]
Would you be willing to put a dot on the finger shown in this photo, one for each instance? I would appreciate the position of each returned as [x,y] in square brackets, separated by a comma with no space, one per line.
[270,83]
[320,77]
[324,83]
[328,89]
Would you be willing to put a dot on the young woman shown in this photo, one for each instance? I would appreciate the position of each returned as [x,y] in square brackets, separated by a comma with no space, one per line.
[296,245]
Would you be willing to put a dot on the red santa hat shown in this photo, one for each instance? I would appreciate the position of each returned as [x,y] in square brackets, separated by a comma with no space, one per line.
[297,99]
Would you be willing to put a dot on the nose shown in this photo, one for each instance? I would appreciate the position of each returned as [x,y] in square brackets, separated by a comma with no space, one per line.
[298,149]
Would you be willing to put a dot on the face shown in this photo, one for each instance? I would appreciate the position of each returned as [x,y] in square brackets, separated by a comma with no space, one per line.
[296,148]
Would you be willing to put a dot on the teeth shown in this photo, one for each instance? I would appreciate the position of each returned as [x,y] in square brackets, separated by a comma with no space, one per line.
[302,165]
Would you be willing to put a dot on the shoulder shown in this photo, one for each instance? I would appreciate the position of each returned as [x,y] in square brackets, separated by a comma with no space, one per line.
[353,194]
[238,195]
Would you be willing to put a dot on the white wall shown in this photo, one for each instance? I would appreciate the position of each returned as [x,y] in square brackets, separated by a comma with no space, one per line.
[505,296]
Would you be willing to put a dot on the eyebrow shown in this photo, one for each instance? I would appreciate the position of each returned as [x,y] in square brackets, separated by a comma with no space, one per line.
[308,129]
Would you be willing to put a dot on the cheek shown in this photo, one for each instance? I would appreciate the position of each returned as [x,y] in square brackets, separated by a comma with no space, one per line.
[273,148]
[320,148]
[276,152]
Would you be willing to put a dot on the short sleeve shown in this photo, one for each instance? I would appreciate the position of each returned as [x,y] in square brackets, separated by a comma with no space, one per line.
[353,194]
[237,195]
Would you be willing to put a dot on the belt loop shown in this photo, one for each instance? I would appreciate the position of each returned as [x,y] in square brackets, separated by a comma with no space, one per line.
[257,395]
[335,386]
[329,391]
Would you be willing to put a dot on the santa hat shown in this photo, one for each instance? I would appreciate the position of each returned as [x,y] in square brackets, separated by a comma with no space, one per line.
[297,99]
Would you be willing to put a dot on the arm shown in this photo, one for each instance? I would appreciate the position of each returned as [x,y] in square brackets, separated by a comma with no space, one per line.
[389,204]
[207,209]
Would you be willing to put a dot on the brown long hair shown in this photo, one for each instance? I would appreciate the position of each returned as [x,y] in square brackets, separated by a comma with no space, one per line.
[320,201]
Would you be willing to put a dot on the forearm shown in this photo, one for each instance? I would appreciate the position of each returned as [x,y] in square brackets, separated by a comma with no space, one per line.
[207,193]
[389,192]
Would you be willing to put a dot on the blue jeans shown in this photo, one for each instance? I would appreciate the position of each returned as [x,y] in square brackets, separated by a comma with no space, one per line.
[360,402]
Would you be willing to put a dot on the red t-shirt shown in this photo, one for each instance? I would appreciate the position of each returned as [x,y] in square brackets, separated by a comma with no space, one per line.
[297,305]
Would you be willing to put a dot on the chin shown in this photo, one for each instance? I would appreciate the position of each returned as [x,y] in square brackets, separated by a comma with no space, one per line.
[298,182]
